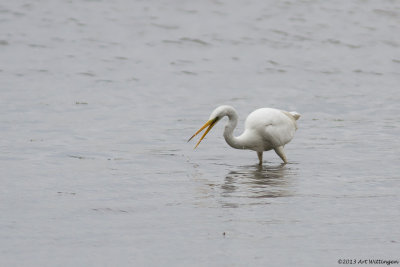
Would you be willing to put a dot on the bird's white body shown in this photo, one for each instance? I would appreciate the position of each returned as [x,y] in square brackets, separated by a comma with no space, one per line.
[265,129]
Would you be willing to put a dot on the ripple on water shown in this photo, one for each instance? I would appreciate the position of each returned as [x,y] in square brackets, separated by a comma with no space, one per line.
[258,182]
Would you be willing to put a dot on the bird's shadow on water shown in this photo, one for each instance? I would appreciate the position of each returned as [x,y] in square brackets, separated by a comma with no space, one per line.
[254,181]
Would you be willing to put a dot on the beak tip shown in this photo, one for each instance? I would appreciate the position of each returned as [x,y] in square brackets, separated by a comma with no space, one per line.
[209,123]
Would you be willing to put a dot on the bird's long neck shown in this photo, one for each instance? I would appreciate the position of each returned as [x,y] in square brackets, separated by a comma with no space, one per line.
[233,141]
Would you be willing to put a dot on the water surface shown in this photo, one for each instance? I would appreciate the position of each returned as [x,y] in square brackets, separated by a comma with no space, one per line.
[98,99]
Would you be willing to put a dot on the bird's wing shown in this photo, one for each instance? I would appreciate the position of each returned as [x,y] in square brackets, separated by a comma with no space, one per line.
[273,126]
[279,133]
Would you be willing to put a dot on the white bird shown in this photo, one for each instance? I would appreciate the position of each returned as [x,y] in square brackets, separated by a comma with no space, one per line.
[265,129]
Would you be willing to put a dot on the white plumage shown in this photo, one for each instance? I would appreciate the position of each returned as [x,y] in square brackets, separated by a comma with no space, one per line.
[265,129]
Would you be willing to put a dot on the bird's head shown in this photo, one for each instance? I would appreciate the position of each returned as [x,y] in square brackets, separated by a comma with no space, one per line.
[215,116]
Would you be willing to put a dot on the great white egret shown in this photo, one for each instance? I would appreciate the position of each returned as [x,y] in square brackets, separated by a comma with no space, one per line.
[265,129]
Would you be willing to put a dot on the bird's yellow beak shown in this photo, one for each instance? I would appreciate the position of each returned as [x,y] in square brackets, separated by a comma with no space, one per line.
[210,124]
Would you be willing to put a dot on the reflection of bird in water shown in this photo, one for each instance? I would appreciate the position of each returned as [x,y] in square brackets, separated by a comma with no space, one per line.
[265,129]
[257,182]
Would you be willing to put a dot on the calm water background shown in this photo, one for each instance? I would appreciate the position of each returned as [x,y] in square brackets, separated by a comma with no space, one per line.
[98,99]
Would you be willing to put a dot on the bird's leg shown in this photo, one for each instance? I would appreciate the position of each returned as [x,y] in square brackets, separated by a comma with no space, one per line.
[260,154]
[281,153]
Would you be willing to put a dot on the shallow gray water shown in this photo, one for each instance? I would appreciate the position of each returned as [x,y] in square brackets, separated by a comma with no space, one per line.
[98,99]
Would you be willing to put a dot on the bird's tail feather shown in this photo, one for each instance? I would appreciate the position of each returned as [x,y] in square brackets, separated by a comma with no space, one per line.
[295,115]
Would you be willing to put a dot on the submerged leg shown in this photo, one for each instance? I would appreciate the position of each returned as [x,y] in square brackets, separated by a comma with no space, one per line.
[281,153]
[260,154]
